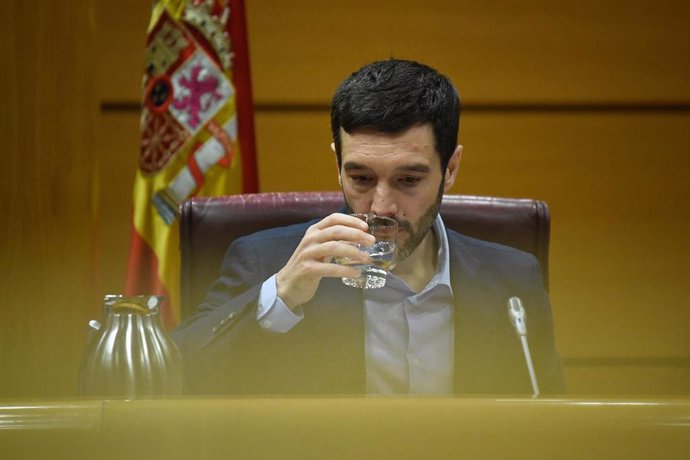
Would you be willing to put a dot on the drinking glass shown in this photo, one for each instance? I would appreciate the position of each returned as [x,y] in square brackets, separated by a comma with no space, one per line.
[383,253]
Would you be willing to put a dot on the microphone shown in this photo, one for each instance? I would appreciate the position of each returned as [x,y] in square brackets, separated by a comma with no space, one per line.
[516,312]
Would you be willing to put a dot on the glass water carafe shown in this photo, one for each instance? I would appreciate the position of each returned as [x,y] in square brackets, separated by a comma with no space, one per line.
[130,355]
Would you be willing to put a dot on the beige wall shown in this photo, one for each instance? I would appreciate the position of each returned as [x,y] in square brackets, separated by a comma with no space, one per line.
[582,104]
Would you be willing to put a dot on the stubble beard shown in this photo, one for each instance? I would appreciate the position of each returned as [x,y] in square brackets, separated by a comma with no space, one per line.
[417,233]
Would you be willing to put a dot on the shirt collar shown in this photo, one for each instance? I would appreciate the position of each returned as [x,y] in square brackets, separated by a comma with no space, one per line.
[442,275]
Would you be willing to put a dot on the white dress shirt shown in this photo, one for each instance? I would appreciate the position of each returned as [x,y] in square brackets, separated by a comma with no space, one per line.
[409,336]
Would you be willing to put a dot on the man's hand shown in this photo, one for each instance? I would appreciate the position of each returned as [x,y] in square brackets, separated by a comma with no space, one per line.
[312,260]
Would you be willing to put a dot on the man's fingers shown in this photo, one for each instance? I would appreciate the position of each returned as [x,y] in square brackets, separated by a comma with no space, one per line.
[338,252]
[341,219]
[339,233]
[332,270]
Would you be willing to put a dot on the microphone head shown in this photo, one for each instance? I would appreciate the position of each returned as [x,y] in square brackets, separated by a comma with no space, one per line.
[516,312]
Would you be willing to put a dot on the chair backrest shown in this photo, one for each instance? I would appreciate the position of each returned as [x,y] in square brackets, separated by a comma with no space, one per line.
[209,225]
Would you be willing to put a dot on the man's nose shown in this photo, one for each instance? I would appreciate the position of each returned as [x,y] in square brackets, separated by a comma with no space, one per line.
[383,202]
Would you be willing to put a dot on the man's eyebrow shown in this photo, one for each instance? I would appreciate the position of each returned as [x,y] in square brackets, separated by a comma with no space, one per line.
[416,167]
[352,166]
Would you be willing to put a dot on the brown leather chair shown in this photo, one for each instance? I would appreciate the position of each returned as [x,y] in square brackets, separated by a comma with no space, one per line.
[209,225]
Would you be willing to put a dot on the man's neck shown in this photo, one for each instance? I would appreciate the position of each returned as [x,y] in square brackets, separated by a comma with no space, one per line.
[420,266]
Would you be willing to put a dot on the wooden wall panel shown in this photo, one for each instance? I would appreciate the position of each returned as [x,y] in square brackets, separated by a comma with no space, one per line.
[617,187]
[628,378]
[497,51]
[121,40]
[117,139]
[46,236]
[296,152]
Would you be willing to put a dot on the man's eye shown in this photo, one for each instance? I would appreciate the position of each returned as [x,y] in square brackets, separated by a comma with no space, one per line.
[360,179]
[410,180]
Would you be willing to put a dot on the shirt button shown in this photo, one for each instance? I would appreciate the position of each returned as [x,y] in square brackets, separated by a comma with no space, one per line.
[230,317]
[415,361]
[266,324]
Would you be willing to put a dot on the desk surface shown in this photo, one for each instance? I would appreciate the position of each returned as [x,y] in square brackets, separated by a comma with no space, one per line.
[348,427]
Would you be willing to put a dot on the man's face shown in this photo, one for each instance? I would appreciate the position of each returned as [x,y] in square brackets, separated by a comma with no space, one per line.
[396,175]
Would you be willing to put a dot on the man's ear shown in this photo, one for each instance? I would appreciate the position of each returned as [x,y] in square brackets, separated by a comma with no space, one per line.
[452,168]
[337,166]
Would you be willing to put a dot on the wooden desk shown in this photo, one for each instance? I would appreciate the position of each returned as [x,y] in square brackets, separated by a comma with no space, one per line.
[348,427]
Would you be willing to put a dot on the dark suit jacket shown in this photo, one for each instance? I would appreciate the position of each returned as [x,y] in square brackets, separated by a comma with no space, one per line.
[226,352]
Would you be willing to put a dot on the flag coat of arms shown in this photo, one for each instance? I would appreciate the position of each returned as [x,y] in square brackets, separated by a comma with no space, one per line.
[197,134]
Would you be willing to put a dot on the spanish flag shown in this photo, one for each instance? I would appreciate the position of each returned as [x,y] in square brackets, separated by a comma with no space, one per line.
[197,132]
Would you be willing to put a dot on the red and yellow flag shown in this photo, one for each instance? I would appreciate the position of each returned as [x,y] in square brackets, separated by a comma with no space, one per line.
[197,132]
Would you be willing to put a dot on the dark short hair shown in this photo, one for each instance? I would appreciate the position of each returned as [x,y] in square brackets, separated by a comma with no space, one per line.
[394,95]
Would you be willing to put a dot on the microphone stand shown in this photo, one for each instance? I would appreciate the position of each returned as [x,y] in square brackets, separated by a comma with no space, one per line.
[517,318]
[530,366]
